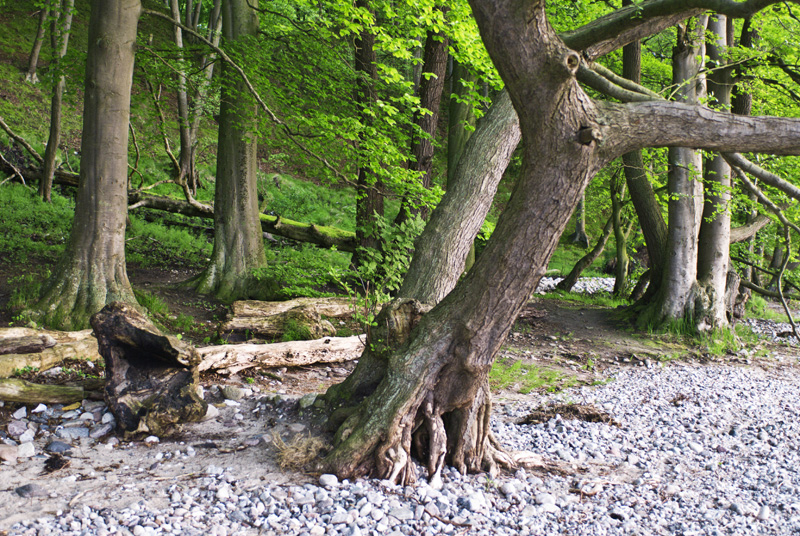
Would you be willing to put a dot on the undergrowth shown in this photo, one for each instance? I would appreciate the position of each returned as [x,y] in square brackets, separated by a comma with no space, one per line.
[525,378]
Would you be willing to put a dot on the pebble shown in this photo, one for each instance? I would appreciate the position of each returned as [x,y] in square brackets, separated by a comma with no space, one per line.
[21,413]
[58,447]
[328,481]
[30,490]
[26,450]
[231,392]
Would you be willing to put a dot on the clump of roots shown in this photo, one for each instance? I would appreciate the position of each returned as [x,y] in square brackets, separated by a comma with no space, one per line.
[301,453]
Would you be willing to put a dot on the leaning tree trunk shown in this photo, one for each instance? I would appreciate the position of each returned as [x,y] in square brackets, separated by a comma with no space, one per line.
[584,262]
[435,397]
[61,30]
[715,229]
[238,243]
[91,272]
[676,296]
[617,188]
[33,59]
[369,199]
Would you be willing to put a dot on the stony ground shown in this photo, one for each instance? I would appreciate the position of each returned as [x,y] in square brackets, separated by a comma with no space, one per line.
[686,443]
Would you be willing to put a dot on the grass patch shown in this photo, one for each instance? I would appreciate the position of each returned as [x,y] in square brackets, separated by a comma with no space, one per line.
[304,271]
[599,299]
[156,245]
[526,378]
[758,307]
[155,306]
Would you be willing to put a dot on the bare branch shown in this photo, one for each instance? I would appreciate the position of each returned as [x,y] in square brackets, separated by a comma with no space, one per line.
[627,127]
[19,139]
[737,160]
[787,239]
[638,21]
[597,81]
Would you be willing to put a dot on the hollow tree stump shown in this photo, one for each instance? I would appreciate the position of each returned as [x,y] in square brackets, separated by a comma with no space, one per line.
[151,378]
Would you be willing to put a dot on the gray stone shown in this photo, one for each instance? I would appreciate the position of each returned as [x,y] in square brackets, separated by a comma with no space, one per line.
[473,502]
[545,498]
[21,413]
[403,514]
[30,490]
[17,428]
[28,436]
[231,393]
[328,481]
[308,400]
[698,448]
[72,433]
[58,447]
[26,450]
[763,513]
[297,427]
[101,430]
[39,409]
[211,413]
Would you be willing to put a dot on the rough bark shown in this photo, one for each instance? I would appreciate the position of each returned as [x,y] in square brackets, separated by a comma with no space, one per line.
[369,200]
[233,358]
[569,281]
[92,272]
[238,244]
[272,319]
[460,116]
[33,58]
[620,238]
[60,40]
[715,229]
[152,380]
[442,248]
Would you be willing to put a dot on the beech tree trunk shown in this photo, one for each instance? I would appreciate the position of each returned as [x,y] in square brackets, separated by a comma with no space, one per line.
[620,238]
[60,40]
[715,229]
[238,244]
[675,300]
[92,269]
[569,281]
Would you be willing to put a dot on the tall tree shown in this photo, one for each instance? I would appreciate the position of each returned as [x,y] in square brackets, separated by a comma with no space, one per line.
[92,272]
[36,48]
[238,242]
[434,397]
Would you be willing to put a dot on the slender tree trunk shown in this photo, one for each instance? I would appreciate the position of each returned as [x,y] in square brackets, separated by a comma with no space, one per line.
[238,243]
[676,298]
[185,158]
[568,282]
[648,209]
[715,230]
[61,30]
[369,200]
[430,96]
[617,188]
[580,236]
[33,59]
[91,272]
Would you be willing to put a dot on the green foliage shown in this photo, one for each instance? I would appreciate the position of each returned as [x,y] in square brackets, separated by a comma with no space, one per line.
[30,227]
[525,378]
[600,299]
[154,305]
[295,331]
[302,271]
[155,244]
[24,370]
[285,196]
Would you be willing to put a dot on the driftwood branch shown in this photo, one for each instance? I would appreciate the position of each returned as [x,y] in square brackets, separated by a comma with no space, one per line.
[68,345]
[231,358]
[15,390]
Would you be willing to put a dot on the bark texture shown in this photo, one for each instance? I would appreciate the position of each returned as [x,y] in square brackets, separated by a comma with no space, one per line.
[65,345]
[151,379]
[272,319]
[238,244]
[91,272]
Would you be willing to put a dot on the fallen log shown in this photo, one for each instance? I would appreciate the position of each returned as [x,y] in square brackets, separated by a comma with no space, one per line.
[151,378]
[68,345]
[271,320]
[16,390]
[232,358]
[27,344]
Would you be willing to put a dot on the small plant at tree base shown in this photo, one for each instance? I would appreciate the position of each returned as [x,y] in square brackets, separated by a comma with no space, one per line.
[25,370]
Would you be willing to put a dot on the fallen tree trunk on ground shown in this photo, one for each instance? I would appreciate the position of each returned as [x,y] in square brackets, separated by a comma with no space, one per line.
[151,378]
[15,390]
[270,320]
[67,345]
[302,232]
[232,358]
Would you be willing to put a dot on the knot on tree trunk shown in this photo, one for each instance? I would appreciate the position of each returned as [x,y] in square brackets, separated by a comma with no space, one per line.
[151,378]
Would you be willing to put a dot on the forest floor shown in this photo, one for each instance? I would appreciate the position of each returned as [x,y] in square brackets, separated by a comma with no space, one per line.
[555,343]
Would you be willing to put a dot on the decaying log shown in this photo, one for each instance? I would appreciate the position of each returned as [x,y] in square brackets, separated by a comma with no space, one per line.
[26,345]
[231,358]
[151,378]
[16,390]
[271,319]
[68,345]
